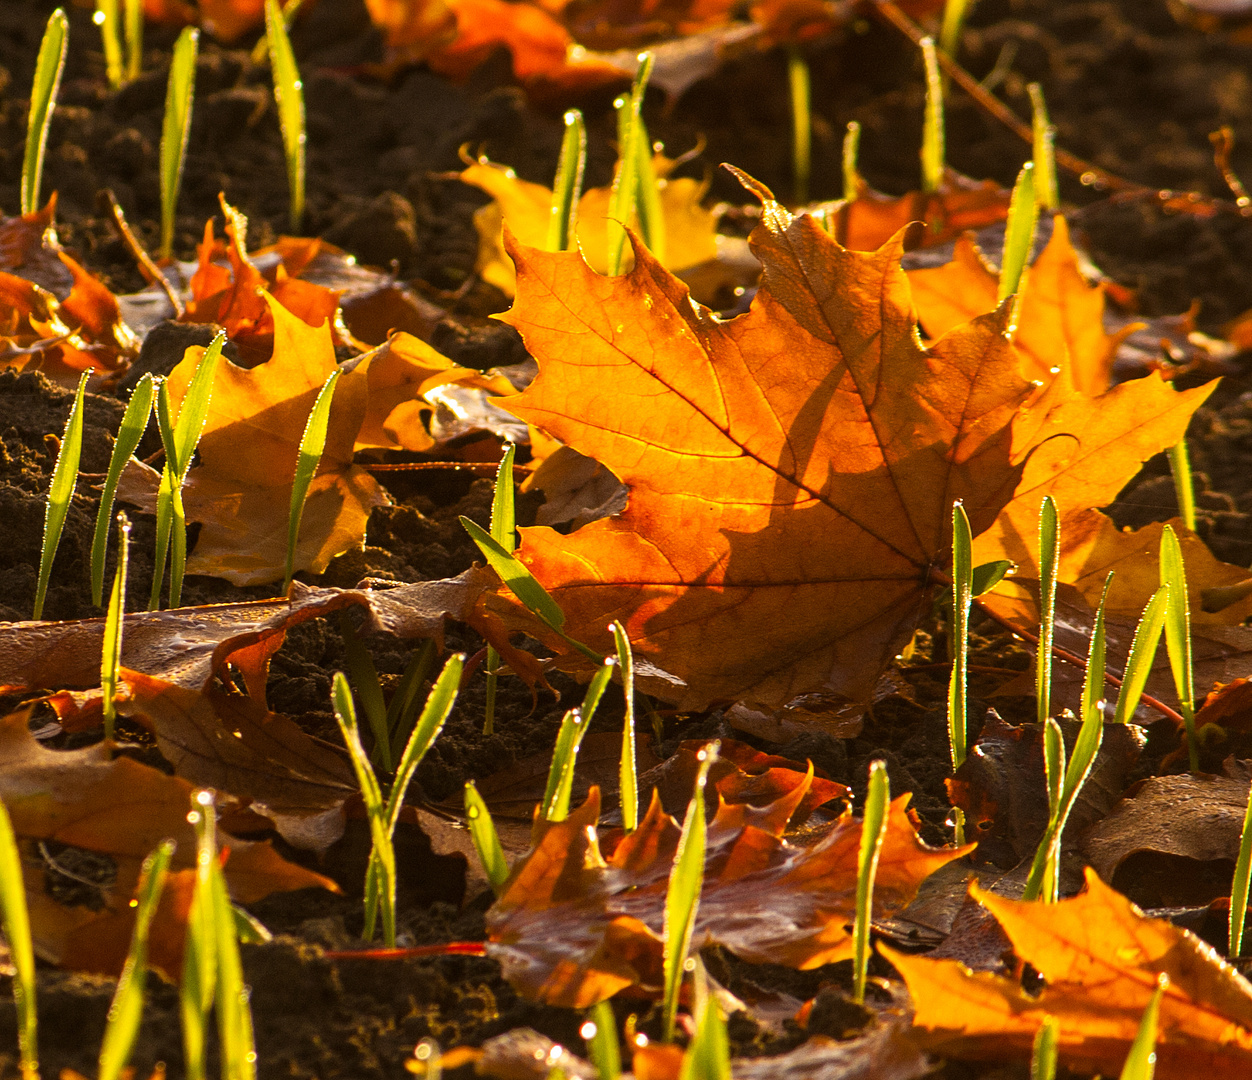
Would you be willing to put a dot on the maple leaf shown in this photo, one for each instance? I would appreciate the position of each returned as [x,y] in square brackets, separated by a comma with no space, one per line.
[791,471]
[1100,958]
[573,927]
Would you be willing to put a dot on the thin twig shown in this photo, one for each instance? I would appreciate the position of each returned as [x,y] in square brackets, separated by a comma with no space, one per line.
[147,267]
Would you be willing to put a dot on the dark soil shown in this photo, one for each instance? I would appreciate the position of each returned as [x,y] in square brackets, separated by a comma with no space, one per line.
[1128,87]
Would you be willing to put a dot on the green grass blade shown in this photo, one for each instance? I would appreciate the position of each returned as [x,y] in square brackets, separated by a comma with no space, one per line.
[199,981]
[60,492]
[1042,881]
[1178,635]
[1093,681]
[504,533]
[1049,556]
[708,1054]
[958,681]
[134,424]
[234,1014]
[624,197]
[369,690]
[648,194]
[987,576]
[1019,233]
[134,38]
[800,82]
[127,1008]
[308,457]
[514,573]
[178,546]
[1047,1044]
[561,771]
[43,92]
[180,92]
[873,829]
[599,1031]
[164,526]
[434,716]
[114,620]
[933,151]
[486,840]
[1142,652]
[1184,485]
[628,772]
[289,97]
[193,414]
[110,38]
[852,182]
[567,187]
[1047,191]
[954,15]
[596,687]
[1141,1061]
[1239,885]
[16,920]
[682,895]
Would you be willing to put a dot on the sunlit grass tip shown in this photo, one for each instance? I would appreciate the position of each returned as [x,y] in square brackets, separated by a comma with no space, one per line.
[43,92]
[17,934]
[180,92]
[60,493]
[567,185]
[308,457]
[114,621]
[873,831]
[933,150]
[289,96]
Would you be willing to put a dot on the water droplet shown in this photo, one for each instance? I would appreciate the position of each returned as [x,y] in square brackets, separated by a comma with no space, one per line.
[588,1030]
[472,813]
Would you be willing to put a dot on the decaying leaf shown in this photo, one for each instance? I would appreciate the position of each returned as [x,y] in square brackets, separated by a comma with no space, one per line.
[1100,958]
[574,926]
[791,471]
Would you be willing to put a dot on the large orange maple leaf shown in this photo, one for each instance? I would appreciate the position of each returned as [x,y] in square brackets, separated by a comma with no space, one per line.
[791,471]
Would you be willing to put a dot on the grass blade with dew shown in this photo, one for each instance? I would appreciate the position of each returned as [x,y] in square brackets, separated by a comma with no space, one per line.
[308,457]
[1140,1063]
[1049,556]
[954,14]
[648,193]
[682,895]
[289,97]
[1093,680]
[486,840]
[16,920]
[106,17]
[1042,879]
[933,151]
[962,597]
[1019,236]
[599,1032]
[134,38]
[1046,1047]
[556,797]
[1142,652]
[425,732]
[402,710]
[628,774]
[800,82]
[260,51]
[1184,484]
[60,492]
[199,981]
[1239,885]
[43,92]
[708,1053]
[369,689]
[114,620]
[1178,636]
[127,1008]
[625,191]
[873,830]
[852,181]
[1043,151]
[504,533]
[134,424]
[180,92]
[567,187]
[234,1013]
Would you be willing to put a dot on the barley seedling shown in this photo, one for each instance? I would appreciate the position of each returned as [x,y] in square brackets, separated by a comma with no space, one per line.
[43,92]
[556,797]
[106,17]
[16,919]
[60,492]
[933,151]
[134,37]
[1043,152]
[628,773]
[308,457]
[599,1032]
[289,97]
[1184,484]
[485,838]
[852,180]
[1141,1061]
[1142,652]
[962,597]
[1049,556]
[632,142]
[180,92]
[504,533]
[1044,1053]
[1019,238]
[708,1055]
[955,13]
[799,80]
[567,186]
[114,620]
[873,831]
[1239,885]
[1178,636]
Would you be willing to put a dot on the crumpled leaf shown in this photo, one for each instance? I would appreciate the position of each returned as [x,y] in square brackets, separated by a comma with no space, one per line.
[1100,957]
[573,927]
[791,470]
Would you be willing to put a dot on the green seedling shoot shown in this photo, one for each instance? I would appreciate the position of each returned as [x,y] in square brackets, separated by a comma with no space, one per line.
[1142,652]
[799,80]
[260,51]
[955,12]
[106,17]
[380,878]
[289,97]
[962,596]
[1046,1047]
[1049,556]
[308,457]
[180,438]
[556,797]
[43,92]
[873,831]
[504,533]
[682,896]
[599,1032]
[114,620]
[1043,135]
[1140,1063]
[1184,484]
[180,91]
[486,840]
[853,184]
[1239,885]
[567,187]
[60,492]
[127,1008]
[134,38]
[628,775]
[16,920]
[1019,238]
[933,152]
[708,1054]
[369,691]
[1178,636]
[632,148]
[134,424]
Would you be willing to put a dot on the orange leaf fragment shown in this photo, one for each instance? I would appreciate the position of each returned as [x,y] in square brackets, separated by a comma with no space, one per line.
[1100,957]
